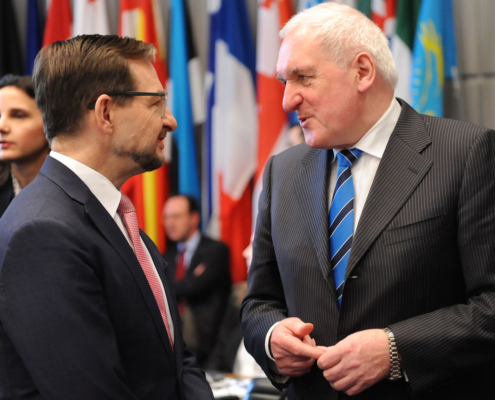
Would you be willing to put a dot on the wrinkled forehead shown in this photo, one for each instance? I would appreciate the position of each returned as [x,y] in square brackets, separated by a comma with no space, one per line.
[299,53]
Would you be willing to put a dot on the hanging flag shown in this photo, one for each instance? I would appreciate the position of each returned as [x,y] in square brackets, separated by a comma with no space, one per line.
[365,7]
[303,4]
[58,22]
[182,53]
[10,53]
[231,127]
[273,121]
[90,16]
[401,44]
[34,33]
[142,19]
[383,15]
[434,56]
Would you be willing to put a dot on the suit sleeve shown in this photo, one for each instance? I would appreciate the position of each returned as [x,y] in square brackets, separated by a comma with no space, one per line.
[53,310]
[215,260]
[264,304]
[195,384]
[436,348]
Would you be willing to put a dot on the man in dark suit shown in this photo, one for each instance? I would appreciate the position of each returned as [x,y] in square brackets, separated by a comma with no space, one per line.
[412,314]
[87,310]
[200,270]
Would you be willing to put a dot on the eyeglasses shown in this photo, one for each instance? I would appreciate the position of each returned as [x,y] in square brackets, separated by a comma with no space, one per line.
[163,95]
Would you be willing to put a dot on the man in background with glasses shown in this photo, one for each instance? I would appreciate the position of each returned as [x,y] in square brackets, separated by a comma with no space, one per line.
[86,305]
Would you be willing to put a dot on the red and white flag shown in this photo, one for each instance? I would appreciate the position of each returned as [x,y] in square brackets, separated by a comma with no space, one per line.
[58,22]
[273,121]
[90,16]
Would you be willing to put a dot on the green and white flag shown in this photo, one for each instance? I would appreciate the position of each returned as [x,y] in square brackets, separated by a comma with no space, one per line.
[402,44]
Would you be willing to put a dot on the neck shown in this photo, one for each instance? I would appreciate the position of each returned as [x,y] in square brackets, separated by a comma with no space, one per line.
[373,109]
[98,157]
[26,170]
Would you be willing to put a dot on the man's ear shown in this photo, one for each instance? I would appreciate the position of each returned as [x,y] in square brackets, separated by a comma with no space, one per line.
[104,114]
[366,71]
[195,219]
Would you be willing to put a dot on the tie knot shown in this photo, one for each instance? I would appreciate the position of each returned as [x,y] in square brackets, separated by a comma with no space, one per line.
[348,157]
[125,205]
[181,247]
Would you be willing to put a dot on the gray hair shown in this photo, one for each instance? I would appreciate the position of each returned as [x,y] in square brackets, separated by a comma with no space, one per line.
[345,32]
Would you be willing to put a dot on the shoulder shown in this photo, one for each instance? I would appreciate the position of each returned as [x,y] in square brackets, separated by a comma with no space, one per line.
[450,129]
[211,244]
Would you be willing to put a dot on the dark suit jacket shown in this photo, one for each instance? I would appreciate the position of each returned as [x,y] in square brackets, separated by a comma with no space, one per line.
[206,293]
[6,194]
[422,261]
[78,319]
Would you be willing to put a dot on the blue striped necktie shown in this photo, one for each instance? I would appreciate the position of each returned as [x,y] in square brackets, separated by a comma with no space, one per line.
[341,218]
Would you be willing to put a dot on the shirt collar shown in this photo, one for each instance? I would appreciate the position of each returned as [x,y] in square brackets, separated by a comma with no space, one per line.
[375,140]
[190,244]
[104,190]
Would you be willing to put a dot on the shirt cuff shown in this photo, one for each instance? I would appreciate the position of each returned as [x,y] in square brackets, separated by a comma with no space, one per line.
[267,342]
[275,374]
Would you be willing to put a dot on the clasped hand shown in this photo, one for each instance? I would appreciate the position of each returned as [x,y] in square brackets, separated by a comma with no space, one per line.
[352,365]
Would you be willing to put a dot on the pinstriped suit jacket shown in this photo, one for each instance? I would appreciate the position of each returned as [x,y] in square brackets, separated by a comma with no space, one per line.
[422,262]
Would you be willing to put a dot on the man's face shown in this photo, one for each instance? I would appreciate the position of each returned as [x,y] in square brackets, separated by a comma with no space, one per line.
[140,124]
[179,223]
[323,94]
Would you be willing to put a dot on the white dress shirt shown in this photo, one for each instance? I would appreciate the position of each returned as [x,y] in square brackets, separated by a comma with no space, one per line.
[363,171]
[109,197]
[373,145]
[190,246]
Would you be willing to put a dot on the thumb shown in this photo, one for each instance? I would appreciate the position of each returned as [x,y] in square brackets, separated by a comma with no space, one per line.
[303,329]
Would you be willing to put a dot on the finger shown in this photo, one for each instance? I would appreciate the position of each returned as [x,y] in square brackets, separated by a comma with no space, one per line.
[289,345]
[308,340]
[347,385]
[329,358]
[335,373]
[294,373]
[304,330]
[295,369]
[297,327]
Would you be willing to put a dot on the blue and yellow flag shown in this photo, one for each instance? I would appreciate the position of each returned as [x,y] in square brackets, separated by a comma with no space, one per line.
[434,56]
[181,53]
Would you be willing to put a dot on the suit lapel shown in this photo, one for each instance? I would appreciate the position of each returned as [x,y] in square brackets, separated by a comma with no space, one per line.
[401,170]
[310,187]
[196,259]
[78,191]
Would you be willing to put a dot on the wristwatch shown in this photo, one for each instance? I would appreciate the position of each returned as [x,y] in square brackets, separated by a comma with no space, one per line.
[395,368]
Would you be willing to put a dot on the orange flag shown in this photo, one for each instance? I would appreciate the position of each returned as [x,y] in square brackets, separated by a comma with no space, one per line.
[141,19]
[58,22]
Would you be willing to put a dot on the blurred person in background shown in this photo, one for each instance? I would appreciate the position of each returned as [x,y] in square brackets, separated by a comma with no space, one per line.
[23,145]
[200,269]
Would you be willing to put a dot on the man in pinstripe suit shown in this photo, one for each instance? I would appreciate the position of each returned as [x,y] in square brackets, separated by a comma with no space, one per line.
[417,314]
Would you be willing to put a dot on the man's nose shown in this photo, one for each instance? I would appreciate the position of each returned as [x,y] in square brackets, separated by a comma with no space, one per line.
[169,121]
[292,98]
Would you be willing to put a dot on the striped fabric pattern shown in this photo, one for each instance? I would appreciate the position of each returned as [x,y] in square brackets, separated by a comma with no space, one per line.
[128,212]
[341,218]
[421,260]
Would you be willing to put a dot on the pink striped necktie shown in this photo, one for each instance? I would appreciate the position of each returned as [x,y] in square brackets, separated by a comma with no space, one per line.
[128,212]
